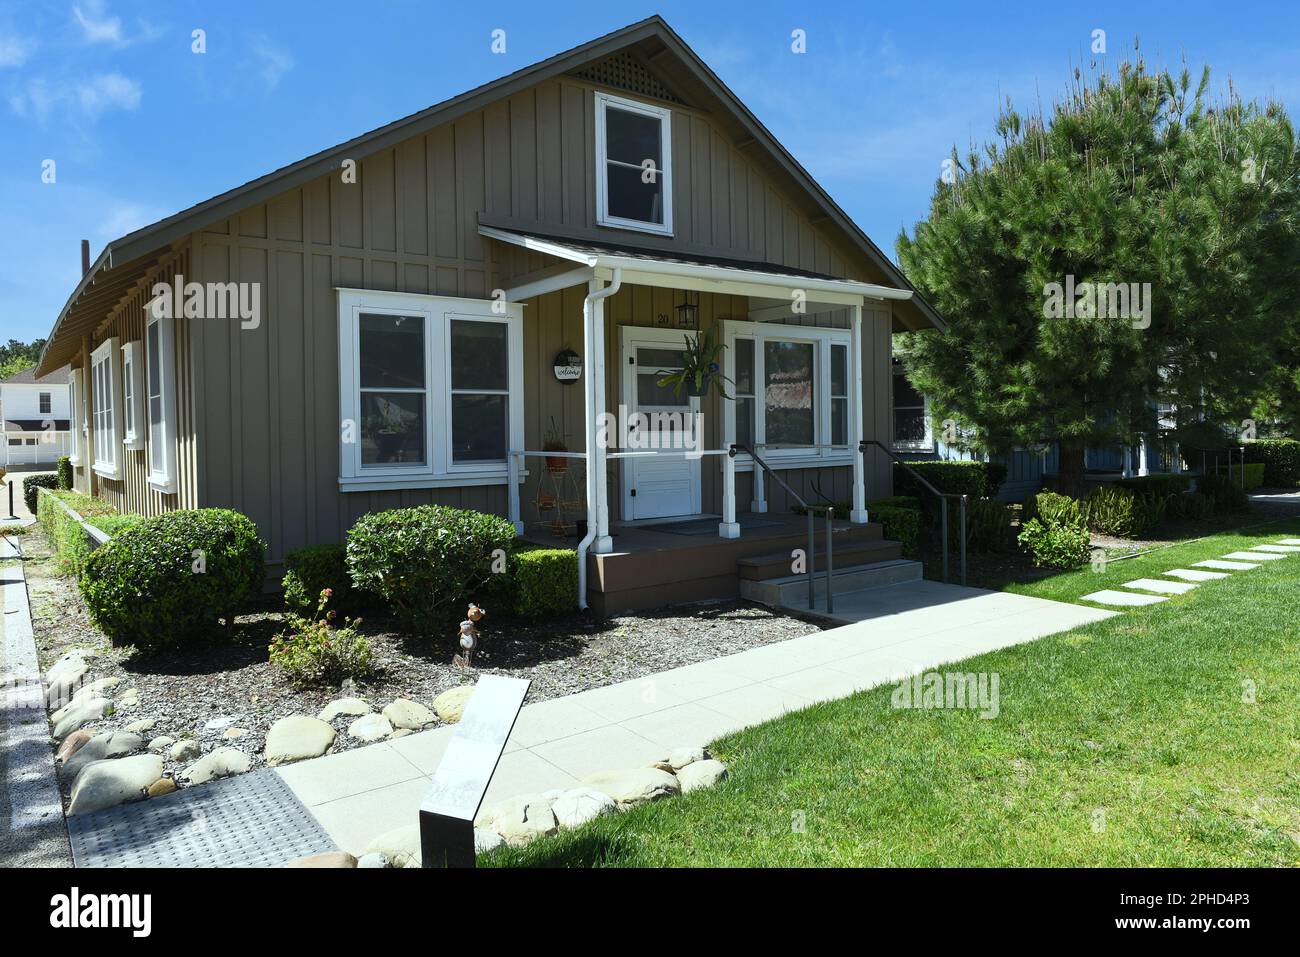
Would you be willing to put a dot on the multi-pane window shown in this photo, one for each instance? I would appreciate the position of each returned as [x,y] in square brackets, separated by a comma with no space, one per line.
[132,400]
[634,159]
[160,402]
[839,394]
[105,425]
[47,403]
[77,417]
[911,423]
[744,391]
[430,389]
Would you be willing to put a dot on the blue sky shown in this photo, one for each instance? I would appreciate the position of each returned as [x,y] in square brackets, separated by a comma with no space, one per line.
[139,126]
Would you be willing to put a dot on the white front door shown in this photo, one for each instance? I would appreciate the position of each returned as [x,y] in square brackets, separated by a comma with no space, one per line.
[663,485]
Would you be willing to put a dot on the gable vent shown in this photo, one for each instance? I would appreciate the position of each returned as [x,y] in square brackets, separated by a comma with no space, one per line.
[625,72]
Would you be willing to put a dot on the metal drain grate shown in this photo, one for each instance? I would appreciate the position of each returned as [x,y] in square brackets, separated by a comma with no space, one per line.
[251,820]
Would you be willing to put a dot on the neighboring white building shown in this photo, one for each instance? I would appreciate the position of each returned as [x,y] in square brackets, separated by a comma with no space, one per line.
[35,413]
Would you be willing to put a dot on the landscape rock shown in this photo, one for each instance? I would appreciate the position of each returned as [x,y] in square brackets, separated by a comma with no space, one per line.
[401,846]
[297,737]
[680,757]
[99,688]
[144,724]
[400,733]
[328,859]
[129,698]
[485,840]
[514,807]
[216,724]
[576,807]
[372,860]
[634,785]
[230,734]
[62,679]
[221,763]
[344,706]
[404,713]
[450,705]
[701,774]
[72,743]
[161,787]
[370,727]
[186,749]
[522,819]
[75,716]
[110,744]
[112,782]
[161,743]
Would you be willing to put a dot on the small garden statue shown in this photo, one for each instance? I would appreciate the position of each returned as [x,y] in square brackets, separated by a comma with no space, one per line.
[468,637]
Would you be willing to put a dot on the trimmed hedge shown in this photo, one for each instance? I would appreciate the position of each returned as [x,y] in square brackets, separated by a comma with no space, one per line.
[309,570]
[902,525]
[1164,484]
[544,581]
[67,538]
[1115,510]
[173,576]
[32,483]
[426,560]
[988,524]
[1280,458]
[976,479]
[1225,495]
[64,472]
[1188,506]
[1248,476]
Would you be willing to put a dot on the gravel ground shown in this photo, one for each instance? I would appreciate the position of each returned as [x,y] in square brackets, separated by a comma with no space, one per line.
[227,679]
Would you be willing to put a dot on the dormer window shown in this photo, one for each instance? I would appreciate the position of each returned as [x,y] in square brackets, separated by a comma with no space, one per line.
[634,165]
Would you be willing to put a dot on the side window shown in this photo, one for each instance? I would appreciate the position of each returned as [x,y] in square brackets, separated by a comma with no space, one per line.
[633,165]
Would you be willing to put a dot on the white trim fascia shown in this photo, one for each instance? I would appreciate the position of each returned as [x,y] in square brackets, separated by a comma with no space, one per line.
[540,287]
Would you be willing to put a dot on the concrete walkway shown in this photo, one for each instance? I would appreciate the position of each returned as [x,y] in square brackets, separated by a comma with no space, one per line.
[357,795]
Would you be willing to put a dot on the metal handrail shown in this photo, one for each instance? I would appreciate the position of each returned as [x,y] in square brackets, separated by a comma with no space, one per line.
[943,505]
[808,510]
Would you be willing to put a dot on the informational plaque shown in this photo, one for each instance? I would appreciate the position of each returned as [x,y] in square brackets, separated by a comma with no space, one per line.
[456,791]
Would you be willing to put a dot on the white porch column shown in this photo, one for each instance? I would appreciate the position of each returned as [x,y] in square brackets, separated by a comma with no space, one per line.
[596,460]
[512,482]
[858,514]
[729,527]
[759,504]
[1142,456]
[1127,470]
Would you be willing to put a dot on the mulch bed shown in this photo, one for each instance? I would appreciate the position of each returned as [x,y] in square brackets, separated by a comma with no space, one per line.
[227,676]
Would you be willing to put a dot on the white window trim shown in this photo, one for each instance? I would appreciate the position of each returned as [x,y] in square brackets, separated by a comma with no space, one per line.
[439,471]
[821,339]
[922,445]
[106,362]
[45,398]
[132,376]
[665,117]
[166,480]
[77,416]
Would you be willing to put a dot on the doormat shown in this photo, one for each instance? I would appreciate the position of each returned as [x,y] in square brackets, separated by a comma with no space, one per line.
[709,526]
[251,820]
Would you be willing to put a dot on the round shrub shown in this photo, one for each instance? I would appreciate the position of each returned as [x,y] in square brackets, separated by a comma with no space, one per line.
[173,576]
[1055,546]
[427,560]
[308,571]
[32,483]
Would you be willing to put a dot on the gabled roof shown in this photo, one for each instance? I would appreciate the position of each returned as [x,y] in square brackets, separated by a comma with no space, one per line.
[29,377]
[141,249]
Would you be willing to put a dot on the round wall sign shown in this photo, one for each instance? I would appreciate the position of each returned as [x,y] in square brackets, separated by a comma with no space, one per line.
[568,366]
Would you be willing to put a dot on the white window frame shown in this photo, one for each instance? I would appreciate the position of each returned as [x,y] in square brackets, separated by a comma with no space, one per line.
[439,469]
[45,403]
[106,408]
[923,445]
[603,102]
[821,339]
[77,415]
[132,395]
[165,479]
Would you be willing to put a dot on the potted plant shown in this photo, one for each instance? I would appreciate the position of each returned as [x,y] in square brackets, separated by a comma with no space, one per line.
[555,443]
[700,370]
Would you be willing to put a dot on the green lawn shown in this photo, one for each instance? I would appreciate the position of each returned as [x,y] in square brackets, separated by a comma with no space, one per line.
[1123,743]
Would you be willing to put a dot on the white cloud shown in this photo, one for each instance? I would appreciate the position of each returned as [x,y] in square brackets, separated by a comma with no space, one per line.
[127,218]
[270,61]
[109,91]
[97,25]
[14,50]
[89,97]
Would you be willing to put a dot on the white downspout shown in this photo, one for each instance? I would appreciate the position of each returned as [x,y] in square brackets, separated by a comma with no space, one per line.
[594,459]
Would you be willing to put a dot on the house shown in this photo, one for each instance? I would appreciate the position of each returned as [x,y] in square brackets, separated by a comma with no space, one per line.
[409,316]
[34,410]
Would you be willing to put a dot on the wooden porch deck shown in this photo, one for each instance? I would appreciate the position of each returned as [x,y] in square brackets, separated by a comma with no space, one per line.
[652,568]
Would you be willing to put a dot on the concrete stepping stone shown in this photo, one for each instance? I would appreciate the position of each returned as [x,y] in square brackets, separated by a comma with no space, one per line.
[1194,575]
[1281,549]
[1254,556]
[1288,541]
[1164,588]
[1227,566]
[1108,596]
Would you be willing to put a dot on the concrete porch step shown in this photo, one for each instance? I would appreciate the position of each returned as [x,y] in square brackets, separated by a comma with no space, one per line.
[775,565]
[791,591]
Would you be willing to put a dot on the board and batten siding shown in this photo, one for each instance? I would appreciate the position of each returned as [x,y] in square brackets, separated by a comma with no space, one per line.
[266,402]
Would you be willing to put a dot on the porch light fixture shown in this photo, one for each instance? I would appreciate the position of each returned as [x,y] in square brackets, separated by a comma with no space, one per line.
[688,312]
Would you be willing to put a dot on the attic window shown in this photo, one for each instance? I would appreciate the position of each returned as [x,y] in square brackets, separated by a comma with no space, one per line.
[634,165]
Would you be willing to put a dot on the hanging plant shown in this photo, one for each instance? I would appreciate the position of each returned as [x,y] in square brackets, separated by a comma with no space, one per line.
[555,443]
[701,370]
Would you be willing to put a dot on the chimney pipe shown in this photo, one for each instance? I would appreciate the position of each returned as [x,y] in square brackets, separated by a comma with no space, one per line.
[85,256]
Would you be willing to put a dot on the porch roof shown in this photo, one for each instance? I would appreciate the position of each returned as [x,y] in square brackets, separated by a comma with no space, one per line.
[680,270]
